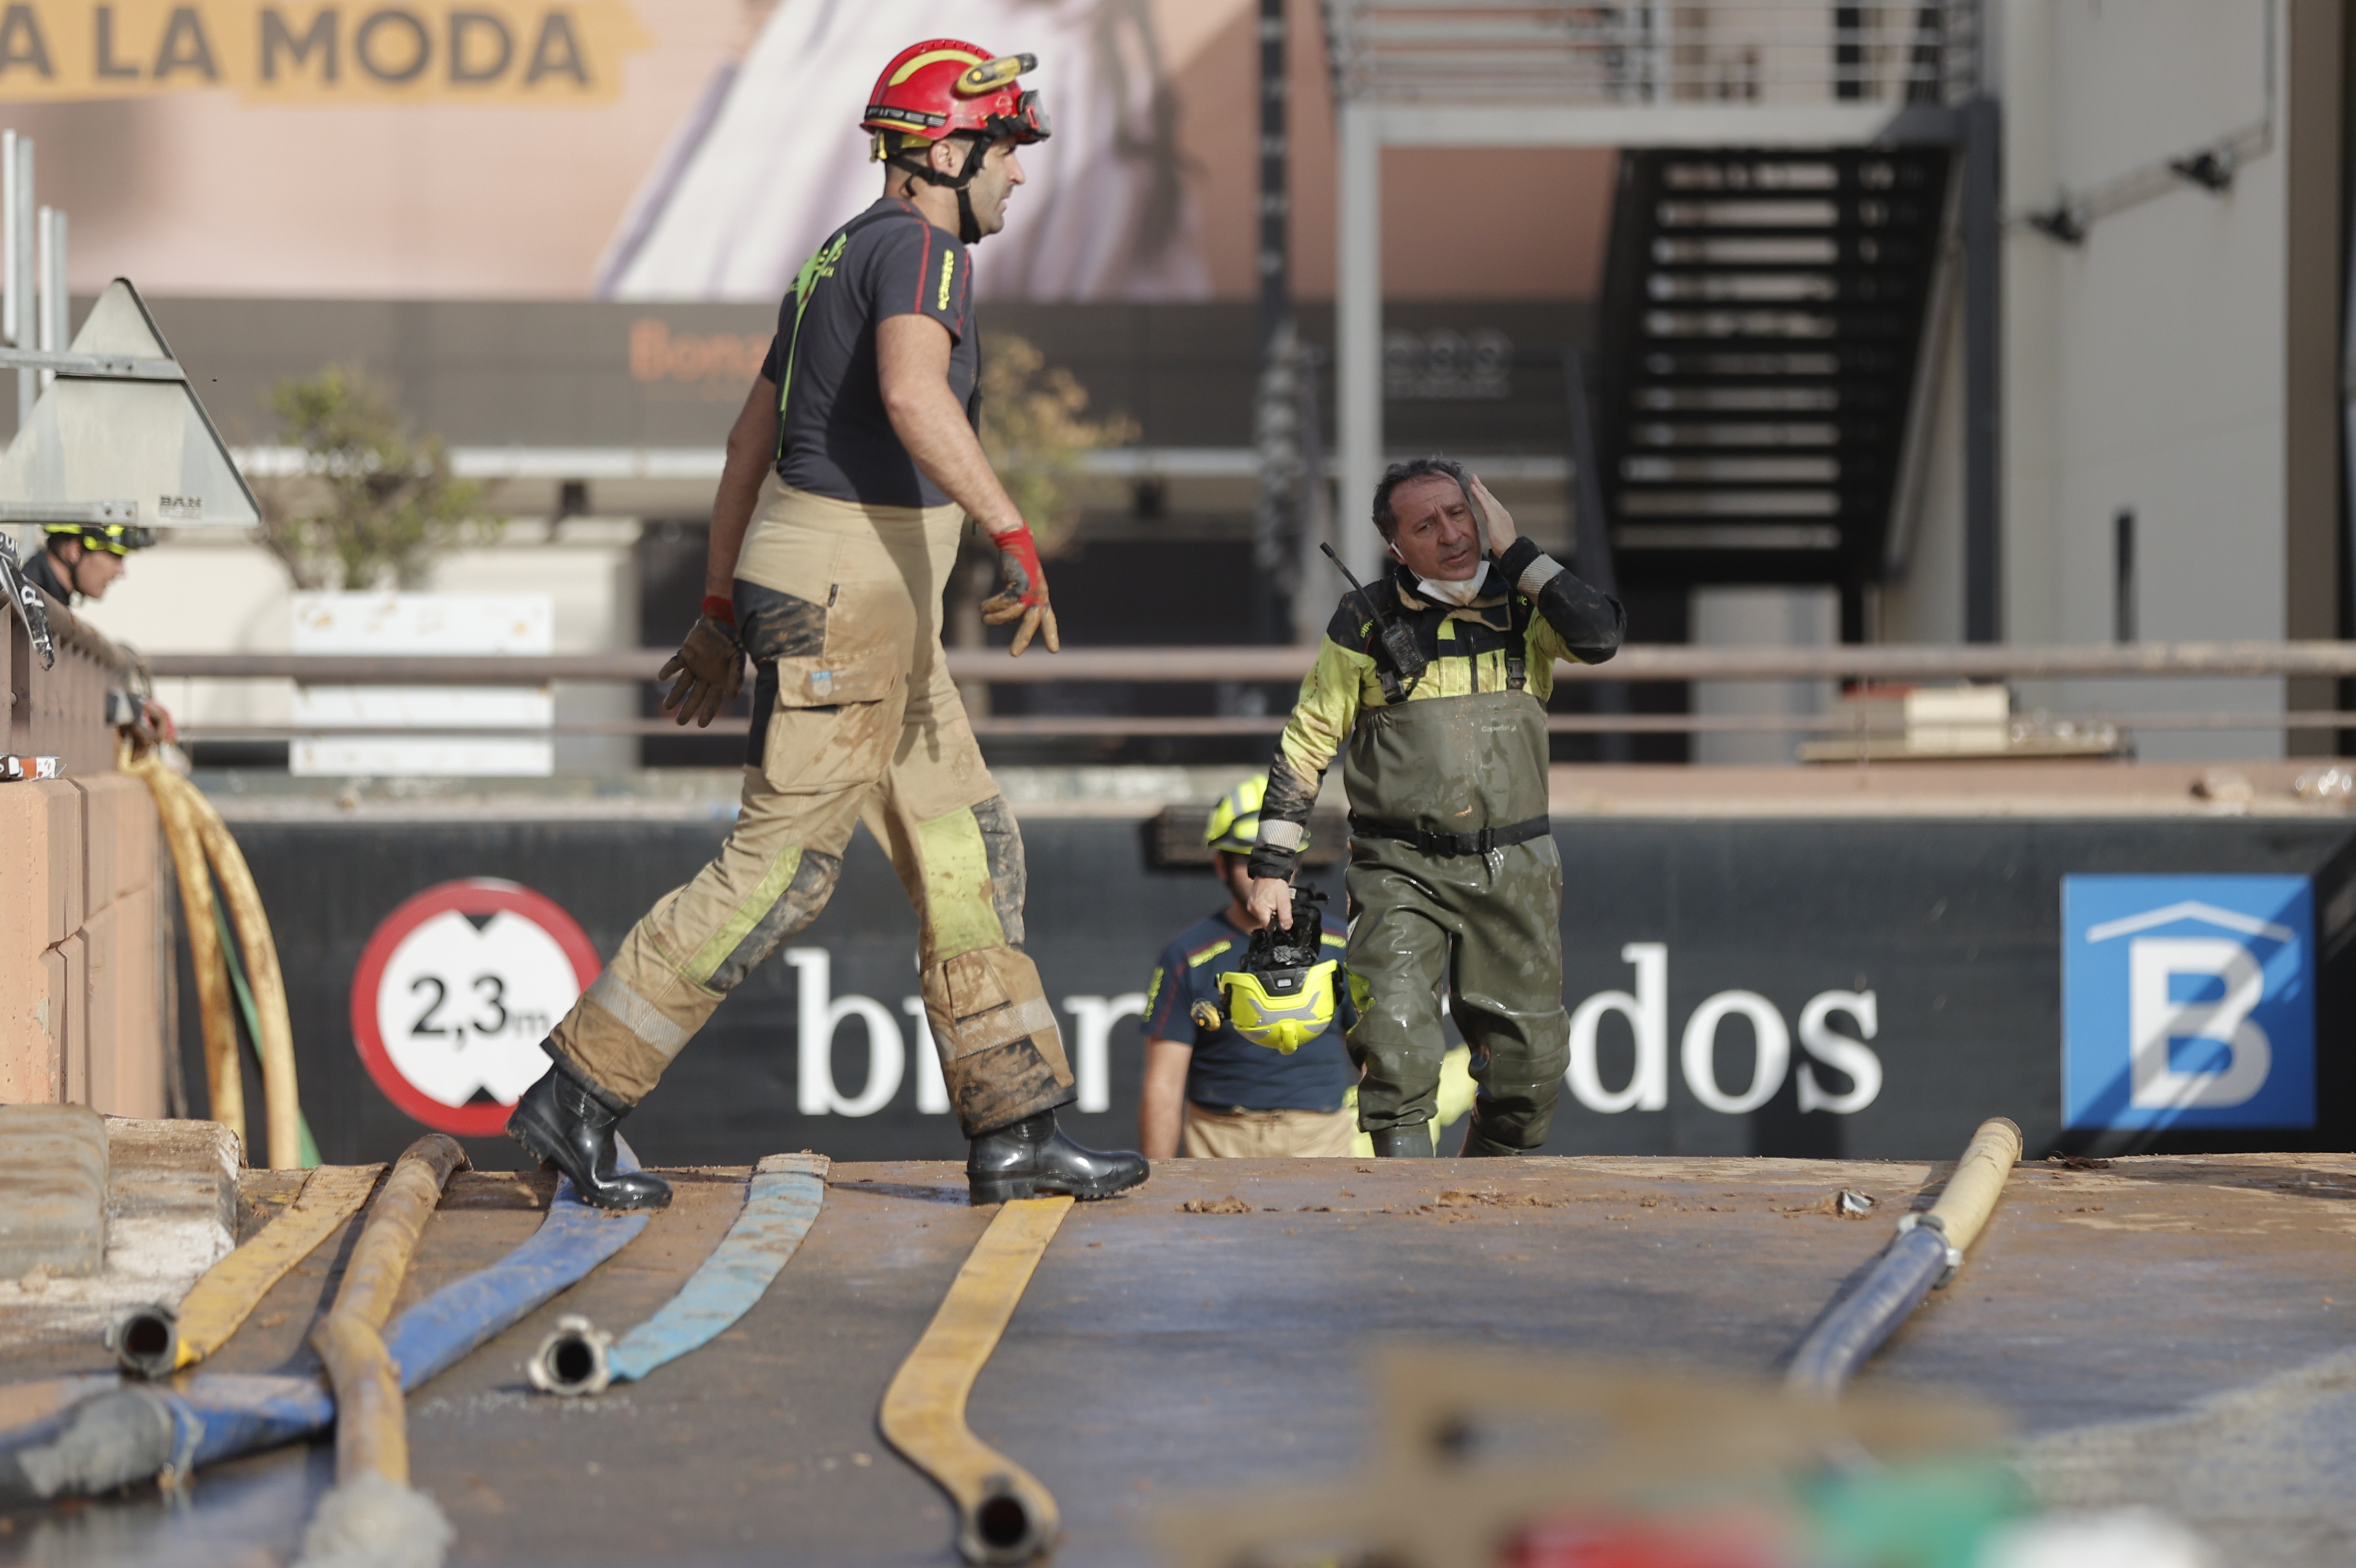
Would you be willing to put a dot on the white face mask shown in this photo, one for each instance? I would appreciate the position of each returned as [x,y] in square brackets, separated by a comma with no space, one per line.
[1459,594]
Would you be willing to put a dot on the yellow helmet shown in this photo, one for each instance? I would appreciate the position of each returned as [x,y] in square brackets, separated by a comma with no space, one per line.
[114,538]
[1233,826]
[1282,1009]
[1235,820]
[1282,995]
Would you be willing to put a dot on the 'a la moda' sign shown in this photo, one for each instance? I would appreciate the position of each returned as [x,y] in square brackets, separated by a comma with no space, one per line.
[510,51]
[454,992]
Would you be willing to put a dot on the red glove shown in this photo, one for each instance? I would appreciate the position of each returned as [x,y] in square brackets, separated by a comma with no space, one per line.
[1022,591]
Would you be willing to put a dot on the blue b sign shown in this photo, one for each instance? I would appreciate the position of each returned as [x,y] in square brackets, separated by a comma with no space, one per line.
[2187,1002]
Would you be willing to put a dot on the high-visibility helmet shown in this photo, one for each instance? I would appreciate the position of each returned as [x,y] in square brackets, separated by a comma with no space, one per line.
[1235,820]
[1283,1009]
[1282,995]
[1233,826]
[944,86]
[114,538]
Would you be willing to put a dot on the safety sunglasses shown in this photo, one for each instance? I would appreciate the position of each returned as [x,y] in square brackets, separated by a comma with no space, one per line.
[1028,123]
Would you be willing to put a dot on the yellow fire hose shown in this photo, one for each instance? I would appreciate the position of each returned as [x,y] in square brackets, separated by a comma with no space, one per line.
[1970,1194]
[372,1424]
[275,1039]
[1924,1254]
[198,836]
[1004,1515]
[155,1341]
[372,1515]
[225,1091]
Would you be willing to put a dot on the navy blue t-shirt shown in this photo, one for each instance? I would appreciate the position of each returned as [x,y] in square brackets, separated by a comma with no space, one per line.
[1227,1071]
[838,441]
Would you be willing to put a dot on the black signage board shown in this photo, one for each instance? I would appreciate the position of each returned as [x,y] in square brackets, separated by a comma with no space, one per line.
[1476,375]
[1925,952]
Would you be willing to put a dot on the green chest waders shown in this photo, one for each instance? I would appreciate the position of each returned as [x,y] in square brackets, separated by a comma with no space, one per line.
[1456,893]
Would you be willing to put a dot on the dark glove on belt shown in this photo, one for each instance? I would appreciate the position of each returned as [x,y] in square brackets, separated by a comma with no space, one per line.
[711,669]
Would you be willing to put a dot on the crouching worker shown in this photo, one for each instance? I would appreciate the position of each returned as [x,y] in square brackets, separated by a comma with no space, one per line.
[863,406]
[1433,682]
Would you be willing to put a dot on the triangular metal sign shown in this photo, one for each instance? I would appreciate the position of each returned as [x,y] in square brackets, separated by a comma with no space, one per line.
[119,436]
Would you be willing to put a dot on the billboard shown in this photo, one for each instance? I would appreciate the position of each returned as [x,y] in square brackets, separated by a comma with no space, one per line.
[697,150]
[1826,987]
[691,150]
[1105,214]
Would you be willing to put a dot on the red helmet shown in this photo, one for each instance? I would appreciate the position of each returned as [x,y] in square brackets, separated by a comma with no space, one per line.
[943,86]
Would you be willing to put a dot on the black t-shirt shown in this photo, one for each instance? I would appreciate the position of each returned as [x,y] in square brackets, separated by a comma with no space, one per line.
[41,571]
[889,261]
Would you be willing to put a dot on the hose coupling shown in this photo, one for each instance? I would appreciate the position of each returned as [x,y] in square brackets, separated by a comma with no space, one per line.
[146,1341]
[574,1361]
[1932,1222]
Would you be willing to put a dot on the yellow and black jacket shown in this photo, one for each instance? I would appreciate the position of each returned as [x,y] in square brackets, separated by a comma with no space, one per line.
[1500,651]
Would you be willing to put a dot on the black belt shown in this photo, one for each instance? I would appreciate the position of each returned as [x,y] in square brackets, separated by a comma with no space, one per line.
[1426,841]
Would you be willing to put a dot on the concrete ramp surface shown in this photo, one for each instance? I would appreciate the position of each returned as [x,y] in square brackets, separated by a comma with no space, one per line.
[2171,1331]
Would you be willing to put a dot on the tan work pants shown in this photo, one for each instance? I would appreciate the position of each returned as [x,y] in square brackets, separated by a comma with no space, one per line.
[854,719]
[1239,1135]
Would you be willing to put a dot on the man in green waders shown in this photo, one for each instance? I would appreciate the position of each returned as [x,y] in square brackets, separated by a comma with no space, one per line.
[1454,884]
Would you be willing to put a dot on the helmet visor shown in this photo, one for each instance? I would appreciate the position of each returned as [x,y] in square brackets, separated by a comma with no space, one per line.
[1027,125]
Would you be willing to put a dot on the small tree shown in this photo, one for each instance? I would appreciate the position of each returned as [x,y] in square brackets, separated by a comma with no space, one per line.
[1033,430]
[372,502]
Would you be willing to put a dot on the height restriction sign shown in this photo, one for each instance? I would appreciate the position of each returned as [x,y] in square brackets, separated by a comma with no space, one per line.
[457,989]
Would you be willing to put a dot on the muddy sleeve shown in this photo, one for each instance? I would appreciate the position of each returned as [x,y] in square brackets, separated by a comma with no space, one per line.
[1319,728]
[1585,624]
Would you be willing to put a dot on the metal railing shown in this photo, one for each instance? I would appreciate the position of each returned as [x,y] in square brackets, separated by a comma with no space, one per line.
[1259,665]
[1655,52]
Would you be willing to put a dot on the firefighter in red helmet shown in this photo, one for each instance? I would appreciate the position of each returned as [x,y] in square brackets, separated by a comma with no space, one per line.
[945,93]
[866,408]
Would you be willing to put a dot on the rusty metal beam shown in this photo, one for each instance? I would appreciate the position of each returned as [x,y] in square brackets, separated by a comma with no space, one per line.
[1888,661]
[1114,724]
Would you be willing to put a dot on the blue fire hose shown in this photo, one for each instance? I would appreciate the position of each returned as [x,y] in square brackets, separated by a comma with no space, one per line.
[780,1205]
[1854,1329]
[142,1431]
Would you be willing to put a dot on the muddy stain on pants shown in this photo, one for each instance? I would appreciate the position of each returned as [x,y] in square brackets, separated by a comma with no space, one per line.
[854,719]
[1484,931]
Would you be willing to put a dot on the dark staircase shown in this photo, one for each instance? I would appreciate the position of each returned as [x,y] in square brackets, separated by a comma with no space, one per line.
[1763,316]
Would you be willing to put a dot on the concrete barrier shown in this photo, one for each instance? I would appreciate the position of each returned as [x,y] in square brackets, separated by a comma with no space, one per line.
[53,1168]
[84,964]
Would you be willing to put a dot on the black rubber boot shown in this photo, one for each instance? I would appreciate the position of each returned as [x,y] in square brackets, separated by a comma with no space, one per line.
[1034,1159]
[1412,1143]
[1479,1147]
[569,1125]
